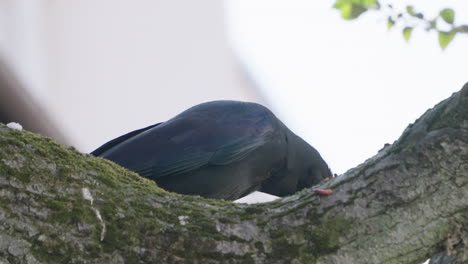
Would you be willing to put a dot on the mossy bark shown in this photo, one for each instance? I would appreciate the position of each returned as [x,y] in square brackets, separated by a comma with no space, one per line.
[404,205]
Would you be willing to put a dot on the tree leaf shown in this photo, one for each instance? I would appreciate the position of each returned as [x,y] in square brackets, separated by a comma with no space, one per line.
[448,15]
[356,11]
[390,22]
[346,11]
[345,7]
[446,37]
[407,33]
[352,9]
[338,4]
[366,3]
[410,10]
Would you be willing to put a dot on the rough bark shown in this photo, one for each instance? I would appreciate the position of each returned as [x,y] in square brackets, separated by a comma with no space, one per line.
[403,205]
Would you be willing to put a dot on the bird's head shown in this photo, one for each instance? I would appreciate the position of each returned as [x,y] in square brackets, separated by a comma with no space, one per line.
[305,163]
[304,168]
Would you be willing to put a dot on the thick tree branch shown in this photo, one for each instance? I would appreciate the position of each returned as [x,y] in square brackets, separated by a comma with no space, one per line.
[402,206]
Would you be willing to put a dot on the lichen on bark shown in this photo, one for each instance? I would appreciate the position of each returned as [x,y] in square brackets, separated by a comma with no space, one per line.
[403,205]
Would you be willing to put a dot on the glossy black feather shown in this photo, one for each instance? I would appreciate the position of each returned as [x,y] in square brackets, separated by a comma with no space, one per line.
[220,149]
[118,140]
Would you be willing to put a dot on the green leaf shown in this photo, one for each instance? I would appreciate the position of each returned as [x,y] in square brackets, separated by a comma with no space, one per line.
[338,4]
[446,37]
[350,11]
[407,33]
[410,10]
[448,15]
[390,22]
[366,3]
[345,8]
[346,11]
[356,11]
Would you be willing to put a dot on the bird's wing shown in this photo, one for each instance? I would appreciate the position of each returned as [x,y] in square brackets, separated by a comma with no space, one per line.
[192,145]
[97,152]
[195,157]
[235,151]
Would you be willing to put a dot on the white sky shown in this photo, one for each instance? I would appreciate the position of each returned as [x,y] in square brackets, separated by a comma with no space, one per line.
[345,87]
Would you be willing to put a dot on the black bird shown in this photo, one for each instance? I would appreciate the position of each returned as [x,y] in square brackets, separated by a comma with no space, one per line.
[220,149]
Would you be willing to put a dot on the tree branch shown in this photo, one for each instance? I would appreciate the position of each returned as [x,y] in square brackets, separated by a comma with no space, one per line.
[403,205]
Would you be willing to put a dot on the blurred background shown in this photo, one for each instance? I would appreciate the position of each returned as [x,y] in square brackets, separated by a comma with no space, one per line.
[87,71]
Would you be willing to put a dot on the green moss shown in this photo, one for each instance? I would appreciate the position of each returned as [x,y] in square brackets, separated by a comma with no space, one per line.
[279,233]
[283,249]
[70,212]
[247,259]
[306,255]
[55,251]
[255,209]
[55,205]
[307,242]
[124,200]
[128,226]
[227,258]
[250,212]
[325,236]
[275,204]
[117,235]
[292,210]
[227,220]
[7,170]
[64,172]
[216,203]
[93,249]
[259,246]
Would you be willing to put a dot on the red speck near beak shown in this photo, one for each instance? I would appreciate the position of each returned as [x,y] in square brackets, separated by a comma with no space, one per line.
[323,191]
